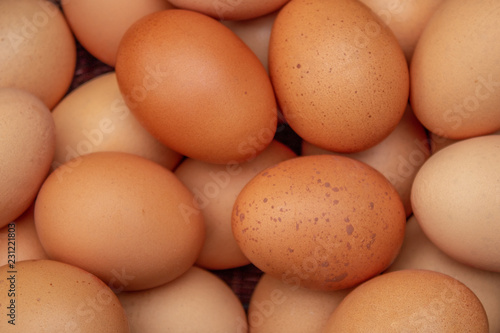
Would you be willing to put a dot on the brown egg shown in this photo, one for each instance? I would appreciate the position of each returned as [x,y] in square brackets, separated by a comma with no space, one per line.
[406,18]
[278,307]
[456,199]
[196,86]
[122,217]
[339,74]
[455,72]
[255,33]
[398,157]
[409,301]
[19,240]
[94,117]
[439,142]
[37,49]
[322,222]
[197,301]
[418,252]
[215,188]
[50,296]
[231,9]
[26,148]
[100,25]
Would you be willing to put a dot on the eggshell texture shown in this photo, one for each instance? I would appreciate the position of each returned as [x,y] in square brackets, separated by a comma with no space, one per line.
[37,49]
[398,157]
[94,117]
[409,301]
[439,142]
[121,217]
[418,252]
[197,301]
[339,74]
[406,18]
[92,25]
[279,307]
[231,10]
[324,222]
[255,33]
[455,71]
[22,233]
[55,297]
[26,148]
[215,188]
[196,86]
[456,199]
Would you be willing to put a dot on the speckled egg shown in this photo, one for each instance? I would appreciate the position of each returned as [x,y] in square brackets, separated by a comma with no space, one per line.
[322,222]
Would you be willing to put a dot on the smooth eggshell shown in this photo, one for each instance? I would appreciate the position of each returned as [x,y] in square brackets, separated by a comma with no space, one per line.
[22,233]
[196,86]
[323,222]
[418,252]
[340,76]
[455,70]
[94,117]
[215,188]
[456,200]
[100,25]
[197,301]
[122,217]
[439,142]
[231,9]
[51,296]
[278,307]
[409,301]
[398,157]
[406,18]
[37,49]
[26,149]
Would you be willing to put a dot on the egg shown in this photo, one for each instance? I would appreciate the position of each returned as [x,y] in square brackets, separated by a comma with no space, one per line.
[456,199]
[122,217]
[340,76]
[406,18]
[439,142]
[321,222]
[90,22]
[22,233]
[197,301]
[398,157]
[255,33]
[231,9]
[455,71]
[278,307]
[215,188]
[37,49]
[27,148]
[418,252]
[196,86]
[94,117]
[409,301]
[50,296]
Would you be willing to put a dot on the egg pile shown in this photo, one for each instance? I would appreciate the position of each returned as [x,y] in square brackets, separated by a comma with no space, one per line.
[250,166]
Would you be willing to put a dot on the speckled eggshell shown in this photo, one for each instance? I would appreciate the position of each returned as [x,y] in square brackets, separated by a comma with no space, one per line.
[409,301]
[398,157]
[52,296]
[196,86]
[418,252]
[279,307]
[324,222]
[455,70]
[339,73]
[456,200]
